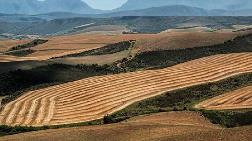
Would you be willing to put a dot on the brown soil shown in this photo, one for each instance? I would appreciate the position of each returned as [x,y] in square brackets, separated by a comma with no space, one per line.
[178,126]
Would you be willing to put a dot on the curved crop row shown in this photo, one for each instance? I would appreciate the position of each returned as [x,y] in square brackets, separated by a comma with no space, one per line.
[239,99]
[94,97]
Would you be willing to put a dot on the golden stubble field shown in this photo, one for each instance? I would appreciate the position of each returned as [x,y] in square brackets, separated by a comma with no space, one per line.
[92,98]
[71,44]
[238,99]
[185,39]
[7,44]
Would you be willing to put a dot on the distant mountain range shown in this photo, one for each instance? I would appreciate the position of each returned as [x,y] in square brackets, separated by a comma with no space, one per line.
[205,4]
[136,24]
[179,10]
[38,7]
[54,9]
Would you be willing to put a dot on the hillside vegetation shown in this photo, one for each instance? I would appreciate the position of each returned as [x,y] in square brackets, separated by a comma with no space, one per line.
[165,58]
[138,24]
[108,49]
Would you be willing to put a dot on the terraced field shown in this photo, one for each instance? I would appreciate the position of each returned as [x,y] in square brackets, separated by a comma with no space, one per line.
[94,97]
[239,99]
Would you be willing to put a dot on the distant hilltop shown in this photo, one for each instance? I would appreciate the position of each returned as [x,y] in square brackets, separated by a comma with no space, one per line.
[131,8]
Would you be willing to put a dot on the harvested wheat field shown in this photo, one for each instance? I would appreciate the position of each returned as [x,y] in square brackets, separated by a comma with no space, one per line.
[181,40]
[94,97]
[239,99]
[70,44]
[5,45]
[10,58]
[162,126]
[94,59]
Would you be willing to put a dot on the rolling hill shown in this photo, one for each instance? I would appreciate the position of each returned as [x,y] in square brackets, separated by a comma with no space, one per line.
[93,98]
[214,4]
[150,127]
[74,44]
[180,10]
[139,24]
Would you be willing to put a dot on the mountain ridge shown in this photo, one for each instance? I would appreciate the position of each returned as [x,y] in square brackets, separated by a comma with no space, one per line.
[179,10]
[32,7]
[214,4]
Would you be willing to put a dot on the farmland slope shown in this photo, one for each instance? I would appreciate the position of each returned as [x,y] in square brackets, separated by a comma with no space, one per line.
[239,99]
[162,126]
[94,97]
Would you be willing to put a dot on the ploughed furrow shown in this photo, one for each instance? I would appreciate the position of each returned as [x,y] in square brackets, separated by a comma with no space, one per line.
[238,99]
[94,97]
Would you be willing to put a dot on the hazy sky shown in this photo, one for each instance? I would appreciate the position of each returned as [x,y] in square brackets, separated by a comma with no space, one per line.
[105,4]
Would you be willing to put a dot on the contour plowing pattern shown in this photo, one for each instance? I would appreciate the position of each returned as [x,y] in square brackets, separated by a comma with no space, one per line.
[92,98]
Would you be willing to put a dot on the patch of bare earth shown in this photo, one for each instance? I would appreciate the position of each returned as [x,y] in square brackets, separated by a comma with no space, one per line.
[175,126]
[151,127]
